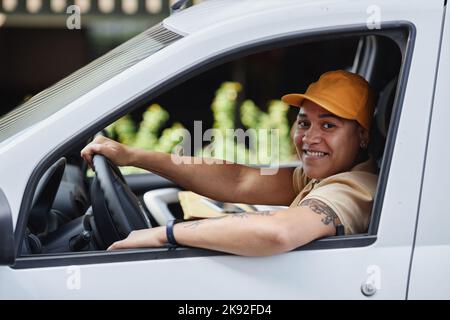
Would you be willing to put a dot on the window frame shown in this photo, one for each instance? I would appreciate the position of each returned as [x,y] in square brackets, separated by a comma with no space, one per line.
[402,32]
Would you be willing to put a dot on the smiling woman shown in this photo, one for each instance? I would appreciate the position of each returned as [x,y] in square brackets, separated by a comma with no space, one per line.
[336,177]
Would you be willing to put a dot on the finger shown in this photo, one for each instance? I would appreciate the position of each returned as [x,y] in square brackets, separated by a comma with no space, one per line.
[88,152]
[99,139]
[84,155]
[116,245]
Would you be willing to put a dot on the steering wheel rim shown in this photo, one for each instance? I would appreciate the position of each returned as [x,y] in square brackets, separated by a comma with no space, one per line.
[117,211]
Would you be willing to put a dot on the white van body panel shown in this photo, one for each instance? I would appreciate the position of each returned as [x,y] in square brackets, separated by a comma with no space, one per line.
[431,260]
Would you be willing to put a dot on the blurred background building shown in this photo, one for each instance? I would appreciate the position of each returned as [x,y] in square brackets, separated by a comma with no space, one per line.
[37,49]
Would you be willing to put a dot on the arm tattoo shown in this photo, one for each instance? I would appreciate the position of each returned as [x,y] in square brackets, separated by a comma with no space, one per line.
[194,224]
[255,213]
[321,208]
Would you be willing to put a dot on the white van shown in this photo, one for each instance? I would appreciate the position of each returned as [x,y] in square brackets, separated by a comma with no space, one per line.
[49,247]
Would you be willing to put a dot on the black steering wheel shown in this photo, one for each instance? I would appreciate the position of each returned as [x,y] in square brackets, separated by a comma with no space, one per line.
[117,211]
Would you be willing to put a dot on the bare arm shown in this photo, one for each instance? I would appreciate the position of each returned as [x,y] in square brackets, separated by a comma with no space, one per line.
[249,234]
[226,182]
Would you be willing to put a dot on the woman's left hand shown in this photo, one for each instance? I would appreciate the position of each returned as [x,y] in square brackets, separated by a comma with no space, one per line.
[145,238]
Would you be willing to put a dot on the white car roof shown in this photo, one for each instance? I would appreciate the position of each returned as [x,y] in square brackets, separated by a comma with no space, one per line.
[213,12]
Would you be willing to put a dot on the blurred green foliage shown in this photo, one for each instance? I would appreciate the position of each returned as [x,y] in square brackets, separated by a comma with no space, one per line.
[149,135]
[272,126]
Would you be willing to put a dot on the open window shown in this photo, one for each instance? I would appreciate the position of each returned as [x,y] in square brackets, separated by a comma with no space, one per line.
[261,74]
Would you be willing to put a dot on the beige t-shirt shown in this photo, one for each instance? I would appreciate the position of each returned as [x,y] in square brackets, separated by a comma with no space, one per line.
[350,194]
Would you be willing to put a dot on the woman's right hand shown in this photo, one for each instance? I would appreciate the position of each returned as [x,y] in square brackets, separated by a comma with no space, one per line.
[117,153]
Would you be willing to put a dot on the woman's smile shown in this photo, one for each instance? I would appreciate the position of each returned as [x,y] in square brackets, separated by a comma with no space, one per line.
[313,155]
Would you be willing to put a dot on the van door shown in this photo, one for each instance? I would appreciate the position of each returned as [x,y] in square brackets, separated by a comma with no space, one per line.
[431,259]
[7,255]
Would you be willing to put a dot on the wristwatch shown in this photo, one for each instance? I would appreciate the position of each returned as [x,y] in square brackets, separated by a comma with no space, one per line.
[169,231]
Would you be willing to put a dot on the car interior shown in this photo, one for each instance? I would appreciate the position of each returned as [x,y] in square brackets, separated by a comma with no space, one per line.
[72,212]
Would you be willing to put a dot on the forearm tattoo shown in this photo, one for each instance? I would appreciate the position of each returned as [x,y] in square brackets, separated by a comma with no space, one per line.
[254,213]
[321,208]
[194,224]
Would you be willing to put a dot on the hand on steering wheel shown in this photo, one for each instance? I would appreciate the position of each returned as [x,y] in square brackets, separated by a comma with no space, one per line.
[117,211]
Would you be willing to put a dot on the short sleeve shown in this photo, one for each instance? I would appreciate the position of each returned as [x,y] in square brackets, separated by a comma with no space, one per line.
[350,195]
[299,180]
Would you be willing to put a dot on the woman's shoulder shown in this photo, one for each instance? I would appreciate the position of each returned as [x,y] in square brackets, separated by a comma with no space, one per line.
[300,179]
[356,176]
[361,175]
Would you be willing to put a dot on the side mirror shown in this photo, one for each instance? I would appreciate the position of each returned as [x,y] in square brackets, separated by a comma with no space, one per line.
[7,255]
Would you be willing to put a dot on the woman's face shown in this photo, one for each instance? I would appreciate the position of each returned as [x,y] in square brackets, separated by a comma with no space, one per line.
[326,143]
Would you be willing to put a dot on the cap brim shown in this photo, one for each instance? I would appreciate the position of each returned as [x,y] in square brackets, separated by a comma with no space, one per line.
[296,99]
[293,99]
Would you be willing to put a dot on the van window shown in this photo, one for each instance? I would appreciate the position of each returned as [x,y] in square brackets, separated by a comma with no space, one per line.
[244,92]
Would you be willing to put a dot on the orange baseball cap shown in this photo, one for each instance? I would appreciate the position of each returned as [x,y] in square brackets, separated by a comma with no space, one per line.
[343,93]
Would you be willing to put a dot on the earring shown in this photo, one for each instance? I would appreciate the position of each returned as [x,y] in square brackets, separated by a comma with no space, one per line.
[363,145]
